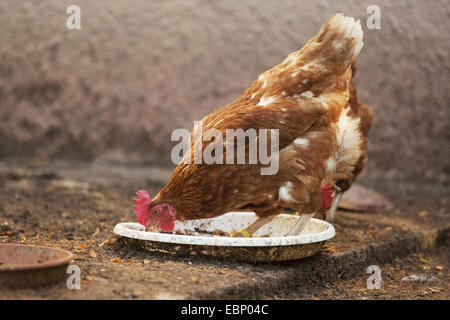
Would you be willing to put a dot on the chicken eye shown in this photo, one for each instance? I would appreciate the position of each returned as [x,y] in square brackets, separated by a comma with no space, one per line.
[155,212]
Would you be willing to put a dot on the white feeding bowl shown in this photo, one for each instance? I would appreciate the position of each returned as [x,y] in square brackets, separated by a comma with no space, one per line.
[267,244]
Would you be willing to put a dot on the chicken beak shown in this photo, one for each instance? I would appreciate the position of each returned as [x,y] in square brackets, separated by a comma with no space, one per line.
[152,227]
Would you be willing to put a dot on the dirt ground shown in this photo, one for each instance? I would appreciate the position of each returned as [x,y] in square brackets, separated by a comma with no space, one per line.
[432,282]
[76,208]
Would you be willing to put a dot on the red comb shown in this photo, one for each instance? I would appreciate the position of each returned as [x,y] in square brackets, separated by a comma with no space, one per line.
[142,203]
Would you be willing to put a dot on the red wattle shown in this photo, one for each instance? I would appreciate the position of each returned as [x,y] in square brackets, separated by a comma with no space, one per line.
[326,192]
[167,227]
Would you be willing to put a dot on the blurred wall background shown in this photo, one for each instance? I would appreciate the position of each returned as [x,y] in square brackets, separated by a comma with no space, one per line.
[115,90]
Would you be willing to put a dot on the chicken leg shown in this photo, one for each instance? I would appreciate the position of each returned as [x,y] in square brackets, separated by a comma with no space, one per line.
[260,222]
[332,210]
[255,226]
[300,224]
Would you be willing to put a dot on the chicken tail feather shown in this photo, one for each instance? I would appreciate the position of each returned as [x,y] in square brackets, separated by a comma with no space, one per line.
[343,37]
[334,48]
[345,34]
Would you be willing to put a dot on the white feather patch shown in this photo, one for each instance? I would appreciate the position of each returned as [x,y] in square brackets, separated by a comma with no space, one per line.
[266,101]
[307,94]
[285,192]
[349,144]
[330,165]
[302,142]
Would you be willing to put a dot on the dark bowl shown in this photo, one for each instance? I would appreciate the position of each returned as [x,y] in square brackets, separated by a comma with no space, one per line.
[23,266]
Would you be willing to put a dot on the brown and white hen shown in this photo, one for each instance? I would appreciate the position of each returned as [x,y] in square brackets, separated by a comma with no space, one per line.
[310,99]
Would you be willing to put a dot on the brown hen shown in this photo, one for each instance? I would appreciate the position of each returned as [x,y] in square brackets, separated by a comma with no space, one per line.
[309,100]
